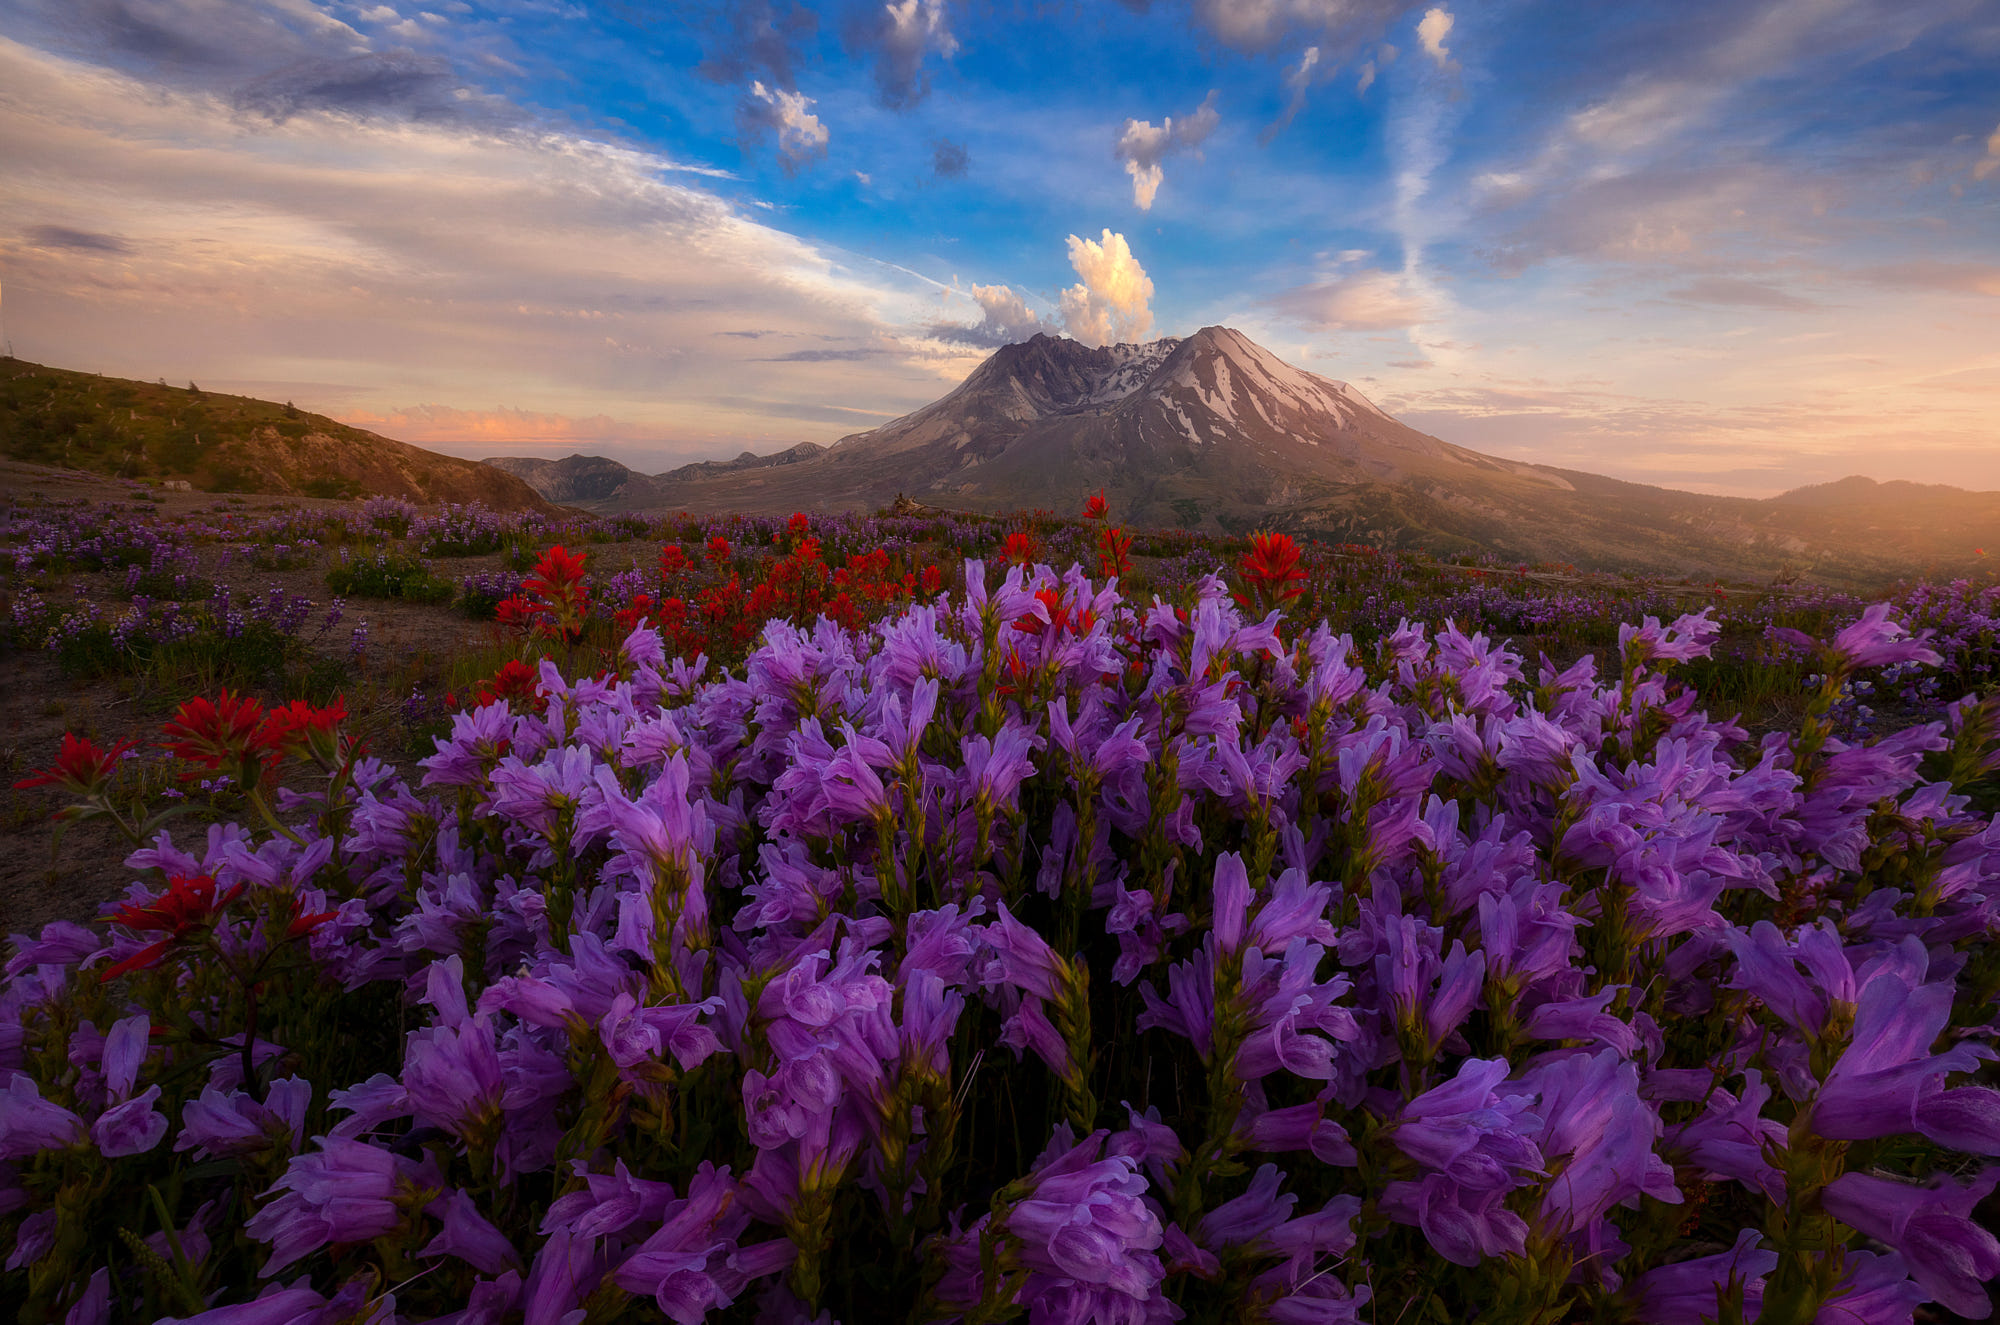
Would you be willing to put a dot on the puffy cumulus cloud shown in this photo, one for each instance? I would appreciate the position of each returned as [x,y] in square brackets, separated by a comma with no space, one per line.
[801,136]
[1112,303]
[904,34]
[949,160]
[1142,146]
[1005,318]
[368,263]
[1369,300]
[1432,29]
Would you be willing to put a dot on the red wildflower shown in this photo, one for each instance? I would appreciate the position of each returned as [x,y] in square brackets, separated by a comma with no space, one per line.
[517,612]
[1051,601]
[1095,509]
[222,735]
[81,767]
[303,923]
[558,568]
[1271,568]
[515,681]
[641,607]
[797,525]
[1021,548]
[933,580]
[298,726]
[1114,552]
[672,559]
[182,912]
[558,579]
[718,549]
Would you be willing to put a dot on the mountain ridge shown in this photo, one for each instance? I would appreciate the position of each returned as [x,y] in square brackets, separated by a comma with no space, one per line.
[1214,431]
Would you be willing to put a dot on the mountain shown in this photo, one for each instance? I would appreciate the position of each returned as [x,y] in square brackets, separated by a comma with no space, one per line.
[223,443]
[593,480]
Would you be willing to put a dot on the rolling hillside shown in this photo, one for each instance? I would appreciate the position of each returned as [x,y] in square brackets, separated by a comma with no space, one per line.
[220,443]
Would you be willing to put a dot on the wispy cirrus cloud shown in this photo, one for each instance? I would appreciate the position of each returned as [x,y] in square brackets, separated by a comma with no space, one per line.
[402,259]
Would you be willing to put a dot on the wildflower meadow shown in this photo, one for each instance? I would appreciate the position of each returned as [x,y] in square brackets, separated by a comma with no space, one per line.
[927,919]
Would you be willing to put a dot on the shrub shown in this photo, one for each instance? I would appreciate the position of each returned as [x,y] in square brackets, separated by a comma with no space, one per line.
[387,575]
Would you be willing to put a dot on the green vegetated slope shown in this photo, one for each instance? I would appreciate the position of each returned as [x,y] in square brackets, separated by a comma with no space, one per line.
[223,443]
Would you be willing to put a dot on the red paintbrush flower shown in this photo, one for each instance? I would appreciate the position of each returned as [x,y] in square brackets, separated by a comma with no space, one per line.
[183,912]
[1021,548]
[515,681]
[298,727]
[638,609]
[673,560]
[1271,568]
[81,767]
[1095,509]
[1114,549]
[222,735]
[558,568]
[718,549]
[1051,602]
[303,923]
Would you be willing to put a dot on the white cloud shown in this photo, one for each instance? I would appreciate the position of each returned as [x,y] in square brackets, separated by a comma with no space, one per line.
[1432,29]
[1369,300]
[800,133]
[1298,82]
[1112,303]
[370,263]
[1336,26]
[1142,146]
[910,30]
[1991,161]
[1004,319]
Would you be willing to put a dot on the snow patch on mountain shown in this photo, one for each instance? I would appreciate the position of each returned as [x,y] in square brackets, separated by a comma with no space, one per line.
[1130,366]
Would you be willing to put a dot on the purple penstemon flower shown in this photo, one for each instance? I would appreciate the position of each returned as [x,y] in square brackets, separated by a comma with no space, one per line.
[1931,1227]
[345,1191]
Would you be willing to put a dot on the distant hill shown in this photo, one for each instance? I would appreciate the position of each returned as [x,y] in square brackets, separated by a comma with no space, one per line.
[593,480]
[1213,431]
[222,443]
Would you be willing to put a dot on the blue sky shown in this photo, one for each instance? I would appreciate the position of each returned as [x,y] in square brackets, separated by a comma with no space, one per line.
[1729,246]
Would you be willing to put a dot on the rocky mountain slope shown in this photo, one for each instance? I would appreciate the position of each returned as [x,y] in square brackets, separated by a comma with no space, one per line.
[222,443]
[1215,431]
